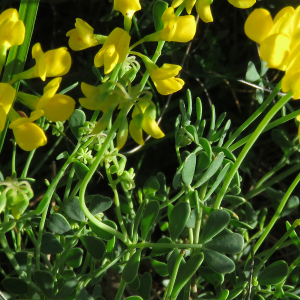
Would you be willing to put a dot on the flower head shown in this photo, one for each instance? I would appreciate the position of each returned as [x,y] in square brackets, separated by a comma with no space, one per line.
[279,43]
[28,135]
[176,29]
[127,7]
[12,30]
[114,50]
[7,97]
[56,107]
[164,77]
[83,36]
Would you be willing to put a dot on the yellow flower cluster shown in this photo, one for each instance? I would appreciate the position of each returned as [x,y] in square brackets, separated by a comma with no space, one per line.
[54,107]
[279,43]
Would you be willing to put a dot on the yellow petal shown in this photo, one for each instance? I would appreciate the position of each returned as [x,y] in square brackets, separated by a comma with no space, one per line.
[189,4]
[59,108]
[10,13]
[12,33]
[122,133]
[242,3]
[176,3]
[165,72]
[258,25]
[2,117]
[169,86]
[203,10]
[58,62]
[185,29]
[39,56]
[127,7]
[275,51]
[29,136]
[103,122]
[111,58]
[291,82]
[135,129]
[151,127]
[280,14]
[7,96]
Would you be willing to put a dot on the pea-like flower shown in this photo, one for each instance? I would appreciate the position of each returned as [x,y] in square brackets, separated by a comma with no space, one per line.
[56,107]
[143,118]
[176,29]
[127,7]
[7,96]
[12,30]
[164,78]
[279,43]
[28,135]
[83,36]
[53,63]
[242,3]
[114,50]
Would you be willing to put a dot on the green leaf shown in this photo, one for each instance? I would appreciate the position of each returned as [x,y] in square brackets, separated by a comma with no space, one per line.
[218,262]
[67,289]
[94,246]
[162,250]
[222,295]
[172,260]
[50,244]
[7,227]
[274,273]
[240,224]
[220,177]
[178,219]
[213,168]
[84,295]
[150,214]
[98,203]
[102,233]
[134,298]
[80,169]
[192,219]
[177,180]
[151,186]
[74,257]
[15,285]
[138,217]
[63,155]
[158,9]
[231,243]
[240,286]
[216,222]
[76,121]
[234,200]
[186,272]
[160,268]
[145,286]
[45,281]
[203,162]
[210,275]
[72,210]
[131,269]
[97,291]
[59,224]
[252,74]
[189,169]
[226,151]
[293,235]
[135,284]
[206,146]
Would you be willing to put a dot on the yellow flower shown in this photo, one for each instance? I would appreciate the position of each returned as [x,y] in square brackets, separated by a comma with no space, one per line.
[28,135]
[114,50]
[83,36]
[7,97]
[127,7]
[12,30]
[242,3]
[203,10]
[143,118]
[189,4]
[56,107]
[53,63]
[164,77]
[176,29]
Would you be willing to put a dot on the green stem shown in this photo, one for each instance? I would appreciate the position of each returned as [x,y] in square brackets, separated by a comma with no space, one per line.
[120,290]
[28,161]
[254,115]
[75,189]
[13,160]
[91,172]
[172,200]
[277,213]
[69,183]
[174,275]
[164,245]
[249,144]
